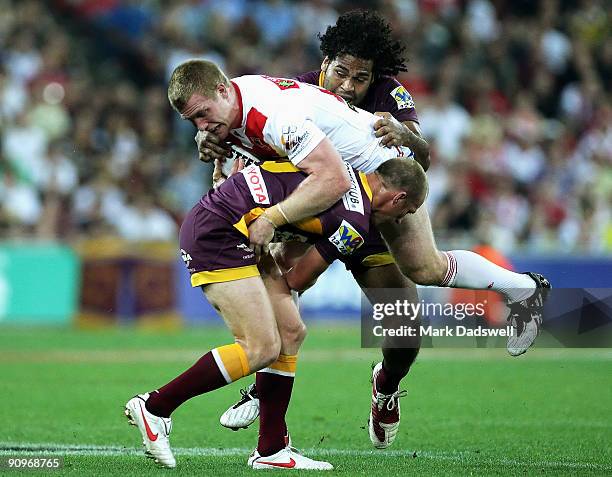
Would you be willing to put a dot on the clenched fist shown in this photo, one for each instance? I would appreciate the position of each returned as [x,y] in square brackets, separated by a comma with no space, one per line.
[210,147]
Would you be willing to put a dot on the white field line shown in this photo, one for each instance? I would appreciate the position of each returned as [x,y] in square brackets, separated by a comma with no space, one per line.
[466,457]
[312,355]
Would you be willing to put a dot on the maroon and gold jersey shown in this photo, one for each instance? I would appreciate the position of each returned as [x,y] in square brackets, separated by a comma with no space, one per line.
[214,235]
[385,94]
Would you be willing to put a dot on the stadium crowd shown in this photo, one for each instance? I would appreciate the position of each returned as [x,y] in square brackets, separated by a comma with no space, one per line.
[513,97]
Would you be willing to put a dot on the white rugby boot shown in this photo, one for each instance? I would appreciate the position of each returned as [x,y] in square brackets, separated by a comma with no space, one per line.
[244,413]
[287,458]
[155,431]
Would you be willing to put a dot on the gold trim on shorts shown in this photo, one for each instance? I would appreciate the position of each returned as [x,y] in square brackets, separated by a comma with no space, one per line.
[377,260]
[224,275]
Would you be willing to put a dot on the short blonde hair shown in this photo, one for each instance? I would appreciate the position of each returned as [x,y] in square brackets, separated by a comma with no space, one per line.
[405,175]
[194,76]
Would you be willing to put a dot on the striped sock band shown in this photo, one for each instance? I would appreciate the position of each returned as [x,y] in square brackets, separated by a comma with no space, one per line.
[232,362]
[285,365]
[451,271]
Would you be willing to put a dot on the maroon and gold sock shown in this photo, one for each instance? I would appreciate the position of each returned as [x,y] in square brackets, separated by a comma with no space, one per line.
[215,369]
[274,385]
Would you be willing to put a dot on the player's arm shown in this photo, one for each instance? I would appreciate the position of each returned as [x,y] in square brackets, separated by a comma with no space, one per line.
[407,133]
[327,181]
[305,272]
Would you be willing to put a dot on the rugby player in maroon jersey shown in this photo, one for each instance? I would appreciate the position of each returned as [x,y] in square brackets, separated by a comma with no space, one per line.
[215,247]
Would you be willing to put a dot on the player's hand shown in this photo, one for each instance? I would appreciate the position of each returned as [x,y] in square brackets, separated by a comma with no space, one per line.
[211,148]
[218,177]
[391,131]
[237,167]
[261,233]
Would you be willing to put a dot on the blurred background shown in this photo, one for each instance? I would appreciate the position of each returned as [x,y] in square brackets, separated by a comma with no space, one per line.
[97,171]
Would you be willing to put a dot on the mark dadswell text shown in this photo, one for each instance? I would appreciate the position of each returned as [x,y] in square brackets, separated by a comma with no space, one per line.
[433,331]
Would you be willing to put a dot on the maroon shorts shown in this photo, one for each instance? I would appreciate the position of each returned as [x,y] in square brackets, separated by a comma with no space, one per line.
[213,250]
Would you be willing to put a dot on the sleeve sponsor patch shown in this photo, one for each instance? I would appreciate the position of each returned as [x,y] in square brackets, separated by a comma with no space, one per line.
[293,136]
[293,140]
[346,239]
[402,98]
[352,199]
[257,186]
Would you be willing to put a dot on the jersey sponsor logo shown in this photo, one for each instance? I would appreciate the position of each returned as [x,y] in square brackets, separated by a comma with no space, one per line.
[283,83]
[346,239]
[257,186]
[294,141]
[352,199]
[402,98]
[240,153]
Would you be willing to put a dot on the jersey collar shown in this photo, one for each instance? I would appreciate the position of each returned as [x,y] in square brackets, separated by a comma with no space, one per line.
[239,97]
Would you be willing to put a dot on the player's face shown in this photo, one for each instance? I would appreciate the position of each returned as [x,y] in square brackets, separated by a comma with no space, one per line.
[393,205]
[395,208]
[348,77]
[214,114]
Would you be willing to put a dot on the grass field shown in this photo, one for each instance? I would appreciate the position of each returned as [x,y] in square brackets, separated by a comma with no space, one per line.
[476,412]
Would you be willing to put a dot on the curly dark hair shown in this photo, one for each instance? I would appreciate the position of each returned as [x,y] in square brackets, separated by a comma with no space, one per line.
[365,34]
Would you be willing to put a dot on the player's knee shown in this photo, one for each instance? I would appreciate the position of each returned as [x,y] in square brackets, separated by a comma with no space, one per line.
[266,352]
[262,350]
[270,355]
[294,335]
[430,272]
[421,276]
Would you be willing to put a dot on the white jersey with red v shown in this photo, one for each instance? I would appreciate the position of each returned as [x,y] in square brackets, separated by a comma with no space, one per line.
[283,119]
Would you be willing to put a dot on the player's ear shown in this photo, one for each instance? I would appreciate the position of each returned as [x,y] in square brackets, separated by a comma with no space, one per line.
[399,197]
[222,90]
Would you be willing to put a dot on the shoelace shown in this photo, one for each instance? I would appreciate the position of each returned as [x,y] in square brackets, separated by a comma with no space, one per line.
[247,393]
[392,400]
[168,426]
[246,396]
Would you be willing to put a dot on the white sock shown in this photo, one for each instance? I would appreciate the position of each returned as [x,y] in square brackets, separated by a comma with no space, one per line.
[469,270]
